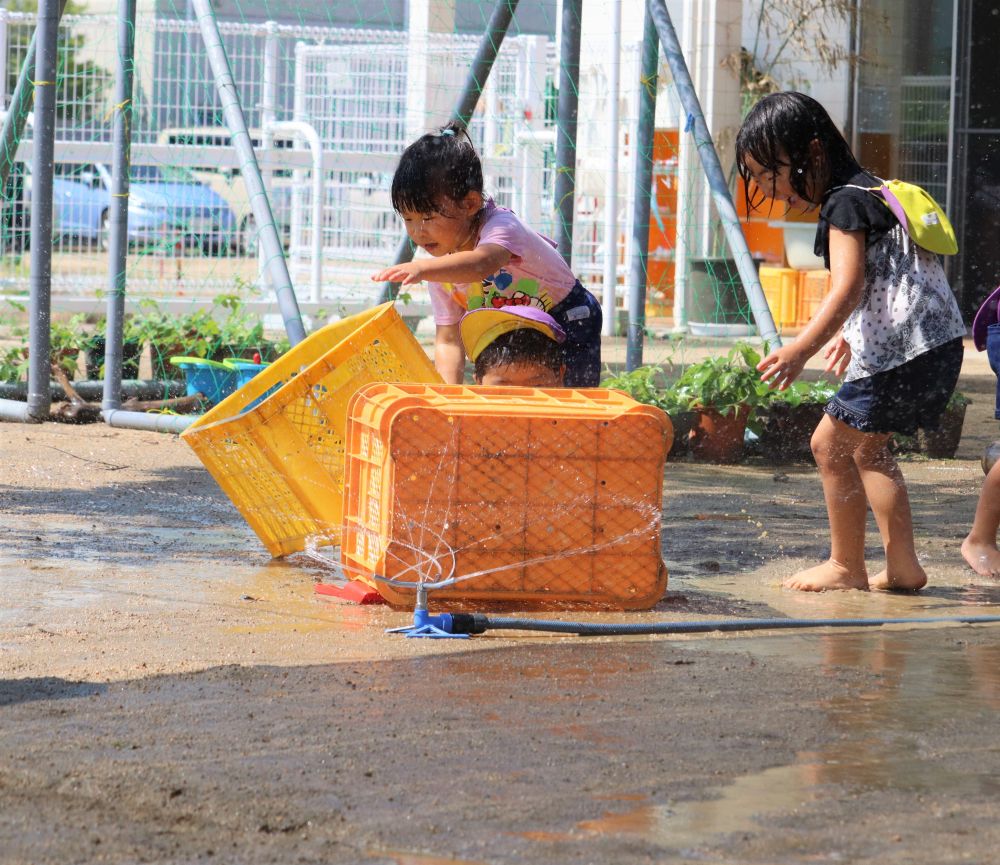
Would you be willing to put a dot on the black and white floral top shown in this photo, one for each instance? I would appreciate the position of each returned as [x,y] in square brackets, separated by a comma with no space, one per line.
[907,307]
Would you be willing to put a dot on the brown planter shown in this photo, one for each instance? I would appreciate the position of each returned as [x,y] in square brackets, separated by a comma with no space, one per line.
[786,431]
[943,442]
[717,438]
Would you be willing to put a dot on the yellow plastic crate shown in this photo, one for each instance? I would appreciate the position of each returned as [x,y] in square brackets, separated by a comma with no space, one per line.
[276,446]
[524,494]
[781,288]
[814,285]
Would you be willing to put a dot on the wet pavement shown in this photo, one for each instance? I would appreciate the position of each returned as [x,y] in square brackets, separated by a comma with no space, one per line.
[170,694]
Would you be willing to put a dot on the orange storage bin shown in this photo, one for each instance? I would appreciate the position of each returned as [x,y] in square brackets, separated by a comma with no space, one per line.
[814,285]
[276,446]
[520,494]
[781,288]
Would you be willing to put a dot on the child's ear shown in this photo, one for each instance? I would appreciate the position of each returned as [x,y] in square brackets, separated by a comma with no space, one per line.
[473,202]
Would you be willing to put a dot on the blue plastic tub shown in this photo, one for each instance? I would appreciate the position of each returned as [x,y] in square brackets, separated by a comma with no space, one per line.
[214,381]
[246,370]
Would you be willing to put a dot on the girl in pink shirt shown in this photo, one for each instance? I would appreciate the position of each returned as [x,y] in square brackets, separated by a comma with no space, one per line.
[483,256]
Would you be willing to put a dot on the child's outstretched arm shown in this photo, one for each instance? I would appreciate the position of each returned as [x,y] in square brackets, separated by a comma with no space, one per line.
[460,267]
[449,353]
[847,282]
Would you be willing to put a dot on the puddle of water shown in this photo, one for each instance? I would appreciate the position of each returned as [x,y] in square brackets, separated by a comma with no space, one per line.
[737,808]
[920,681]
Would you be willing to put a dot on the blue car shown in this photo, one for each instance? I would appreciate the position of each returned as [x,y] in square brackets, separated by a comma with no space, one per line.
[167,206]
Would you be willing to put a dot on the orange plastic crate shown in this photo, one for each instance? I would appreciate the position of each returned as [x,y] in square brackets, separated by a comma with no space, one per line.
[276,446]
[522,494]
[781,288]
[814,285]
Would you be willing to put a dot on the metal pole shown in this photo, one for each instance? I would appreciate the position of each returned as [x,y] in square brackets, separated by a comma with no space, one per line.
[569,100]
[479,72]
[118,210]
[641,195]
[40,303]
[20,105]
[236,122]
[486,55]
[713,171]
[269,115]
[611,184]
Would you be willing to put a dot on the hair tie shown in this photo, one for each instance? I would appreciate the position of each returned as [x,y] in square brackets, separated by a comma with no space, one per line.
[448,131]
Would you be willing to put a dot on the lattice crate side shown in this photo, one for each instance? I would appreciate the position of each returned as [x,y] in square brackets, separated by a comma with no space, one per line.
[259,492]
[814,285]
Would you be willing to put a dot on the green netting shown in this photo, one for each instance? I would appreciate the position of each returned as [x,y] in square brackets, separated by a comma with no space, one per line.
[367,86]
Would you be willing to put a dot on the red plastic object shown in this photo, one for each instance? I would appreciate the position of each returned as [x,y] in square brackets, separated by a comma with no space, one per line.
[354,592]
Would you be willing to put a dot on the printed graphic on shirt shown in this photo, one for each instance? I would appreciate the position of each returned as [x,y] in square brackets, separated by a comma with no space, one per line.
[501,290]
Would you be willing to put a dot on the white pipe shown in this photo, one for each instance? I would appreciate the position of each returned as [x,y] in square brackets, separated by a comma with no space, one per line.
[151,422]
[307,132]
[611,182]
[16,411]
[685,165]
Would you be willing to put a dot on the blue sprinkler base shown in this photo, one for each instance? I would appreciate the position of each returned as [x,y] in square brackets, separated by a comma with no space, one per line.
[426,625]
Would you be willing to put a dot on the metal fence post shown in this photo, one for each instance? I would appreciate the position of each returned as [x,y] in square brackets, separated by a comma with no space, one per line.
[118,210]
[268,235]
[40,303]
[569,104]
[642,189]
[713,171]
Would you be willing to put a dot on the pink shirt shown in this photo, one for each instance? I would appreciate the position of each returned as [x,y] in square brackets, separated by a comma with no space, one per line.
[536,274]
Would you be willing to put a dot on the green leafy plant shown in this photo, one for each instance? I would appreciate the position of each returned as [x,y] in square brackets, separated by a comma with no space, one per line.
[803,392]
[723,383]
[957,400]
[647,384]
[66,340]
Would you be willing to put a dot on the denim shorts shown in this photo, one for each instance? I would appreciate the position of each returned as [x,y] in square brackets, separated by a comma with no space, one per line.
[993,353]
[579,314]
[902,398]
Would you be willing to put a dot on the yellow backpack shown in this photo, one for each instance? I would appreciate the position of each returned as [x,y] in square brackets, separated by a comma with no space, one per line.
[920,215]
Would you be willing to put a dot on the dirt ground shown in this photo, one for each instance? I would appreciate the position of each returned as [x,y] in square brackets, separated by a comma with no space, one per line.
[170,694]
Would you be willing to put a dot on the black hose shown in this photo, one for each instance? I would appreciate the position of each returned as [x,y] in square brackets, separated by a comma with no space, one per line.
[477,623]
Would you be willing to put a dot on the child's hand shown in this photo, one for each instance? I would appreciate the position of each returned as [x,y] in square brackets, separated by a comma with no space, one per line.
[405,274]
[838,356]
[782,366]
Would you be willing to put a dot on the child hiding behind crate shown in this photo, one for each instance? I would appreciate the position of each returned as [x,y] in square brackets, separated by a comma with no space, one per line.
[516,346]
[483,256]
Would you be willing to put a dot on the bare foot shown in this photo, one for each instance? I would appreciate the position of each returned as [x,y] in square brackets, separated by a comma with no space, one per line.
[984,559]
[910,579]
[825,577]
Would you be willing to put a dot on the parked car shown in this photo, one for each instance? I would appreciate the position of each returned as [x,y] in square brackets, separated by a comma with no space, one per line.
[165,206]
[228,183]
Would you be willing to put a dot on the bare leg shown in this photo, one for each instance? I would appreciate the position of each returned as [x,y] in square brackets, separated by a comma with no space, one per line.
[886,491]
[979,549]
[833,445]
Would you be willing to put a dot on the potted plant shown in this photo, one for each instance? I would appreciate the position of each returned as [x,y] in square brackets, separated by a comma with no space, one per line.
[723,392]
[786,421]
[943,442]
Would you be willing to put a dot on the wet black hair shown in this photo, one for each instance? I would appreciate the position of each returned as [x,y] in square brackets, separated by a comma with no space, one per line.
[522,346]
[439,165]
[779,130]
